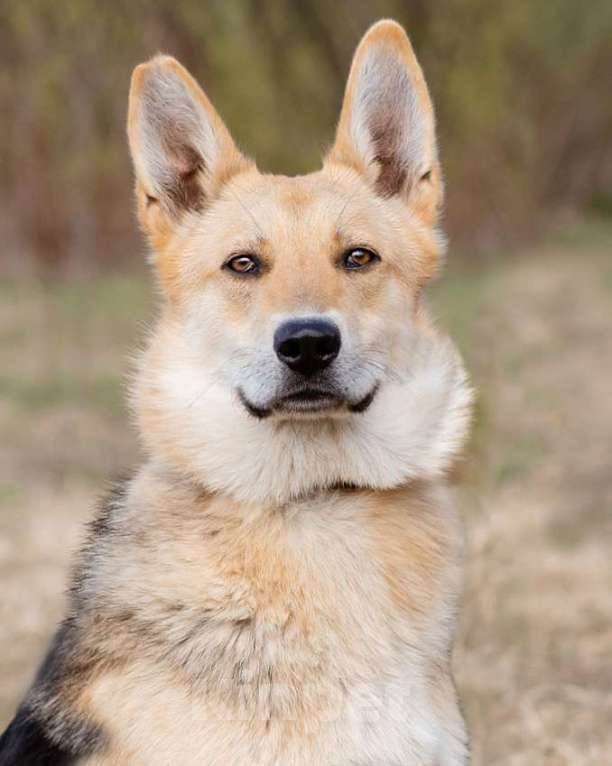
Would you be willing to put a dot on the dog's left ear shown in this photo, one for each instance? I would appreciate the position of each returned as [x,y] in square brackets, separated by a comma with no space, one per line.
[387,124]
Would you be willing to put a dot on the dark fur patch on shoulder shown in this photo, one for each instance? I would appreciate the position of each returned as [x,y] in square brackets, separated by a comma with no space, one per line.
[26,743]
[102,524]
[51,670]
[101,527]
[45,730]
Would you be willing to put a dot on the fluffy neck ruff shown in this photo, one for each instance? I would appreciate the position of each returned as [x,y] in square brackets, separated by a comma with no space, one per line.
[413,430]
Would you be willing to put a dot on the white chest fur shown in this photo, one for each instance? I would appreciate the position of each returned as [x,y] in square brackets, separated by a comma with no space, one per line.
[316,636]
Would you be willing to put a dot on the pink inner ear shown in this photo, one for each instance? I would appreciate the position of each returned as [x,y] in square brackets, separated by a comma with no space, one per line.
[389,118]
[183,152]
[171,127]
[187,163]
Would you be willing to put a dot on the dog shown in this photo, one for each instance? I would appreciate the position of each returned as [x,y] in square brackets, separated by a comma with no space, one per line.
[277,584]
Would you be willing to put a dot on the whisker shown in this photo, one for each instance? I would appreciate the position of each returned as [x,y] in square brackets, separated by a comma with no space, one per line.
[247,211]
[344,207]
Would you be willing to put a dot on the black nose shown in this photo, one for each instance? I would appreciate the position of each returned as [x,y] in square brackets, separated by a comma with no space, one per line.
[307,345]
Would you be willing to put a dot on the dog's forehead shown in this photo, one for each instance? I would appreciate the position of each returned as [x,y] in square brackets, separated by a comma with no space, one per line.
[299,191]
[317,205]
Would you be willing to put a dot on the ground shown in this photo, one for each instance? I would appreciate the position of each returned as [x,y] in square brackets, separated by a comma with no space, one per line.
[535,642]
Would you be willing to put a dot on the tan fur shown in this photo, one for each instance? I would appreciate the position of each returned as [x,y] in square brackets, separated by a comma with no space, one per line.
[386,35]
[278,588]
[321,601]
[289,600]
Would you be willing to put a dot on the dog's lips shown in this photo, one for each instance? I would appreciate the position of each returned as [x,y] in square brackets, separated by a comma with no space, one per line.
[308,400]
[363,404]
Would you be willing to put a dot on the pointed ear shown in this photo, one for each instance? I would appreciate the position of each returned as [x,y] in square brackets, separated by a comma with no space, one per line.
[387,124]
[182,151]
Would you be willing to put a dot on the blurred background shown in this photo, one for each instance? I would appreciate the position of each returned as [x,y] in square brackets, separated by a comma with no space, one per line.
[522,91]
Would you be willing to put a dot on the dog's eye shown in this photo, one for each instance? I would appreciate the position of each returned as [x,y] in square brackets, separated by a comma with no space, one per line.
[358,258]
[243,264]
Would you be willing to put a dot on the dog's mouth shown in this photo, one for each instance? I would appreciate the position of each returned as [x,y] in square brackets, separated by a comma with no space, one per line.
[308,401]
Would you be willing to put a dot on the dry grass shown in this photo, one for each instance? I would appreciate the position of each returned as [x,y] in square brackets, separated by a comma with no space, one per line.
[534,656]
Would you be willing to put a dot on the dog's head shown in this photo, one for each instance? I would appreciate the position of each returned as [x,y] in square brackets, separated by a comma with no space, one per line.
[293,352]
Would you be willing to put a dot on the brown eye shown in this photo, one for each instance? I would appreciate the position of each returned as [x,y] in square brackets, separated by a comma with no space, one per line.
[243,264]
[358,258]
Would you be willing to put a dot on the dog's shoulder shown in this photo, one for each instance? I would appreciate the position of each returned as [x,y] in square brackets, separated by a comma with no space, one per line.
[26,742]
[46,731]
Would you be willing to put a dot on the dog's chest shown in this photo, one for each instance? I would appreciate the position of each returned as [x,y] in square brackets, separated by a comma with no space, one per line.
[280,648]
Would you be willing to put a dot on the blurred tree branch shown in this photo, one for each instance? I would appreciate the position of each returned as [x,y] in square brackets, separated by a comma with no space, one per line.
[522,93]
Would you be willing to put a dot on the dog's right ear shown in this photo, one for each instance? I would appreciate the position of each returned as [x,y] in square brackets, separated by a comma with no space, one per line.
[182,151]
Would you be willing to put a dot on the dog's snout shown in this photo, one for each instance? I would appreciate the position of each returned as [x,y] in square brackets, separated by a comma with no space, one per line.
[307,346]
